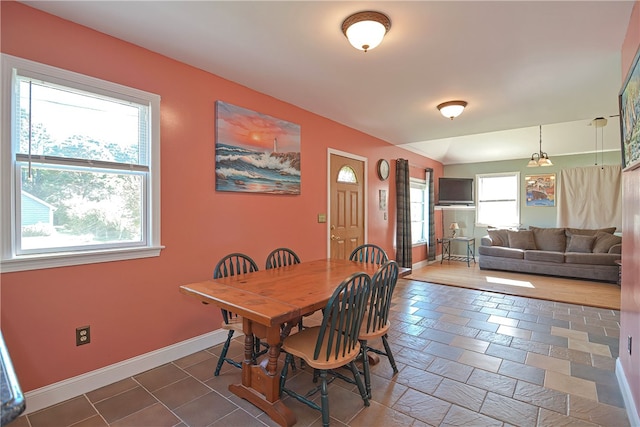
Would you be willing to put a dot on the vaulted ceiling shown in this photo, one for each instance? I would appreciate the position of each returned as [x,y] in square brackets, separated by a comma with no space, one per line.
[518,64]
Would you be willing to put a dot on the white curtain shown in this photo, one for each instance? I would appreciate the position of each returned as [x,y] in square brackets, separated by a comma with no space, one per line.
[590,197]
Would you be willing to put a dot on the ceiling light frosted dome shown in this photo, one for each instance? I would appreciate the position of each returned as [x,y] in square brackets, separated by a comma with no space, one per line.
[452,109]
[365,30]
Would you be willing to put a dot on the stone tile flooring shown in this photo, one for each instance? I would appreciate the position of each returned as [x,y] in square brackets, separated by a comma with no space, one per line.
[466,357]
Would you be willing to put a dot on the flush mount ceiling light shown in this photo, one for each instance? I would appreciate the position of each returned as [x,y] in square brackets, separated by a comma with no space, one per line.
[541,158]
[452,109]
[365,30]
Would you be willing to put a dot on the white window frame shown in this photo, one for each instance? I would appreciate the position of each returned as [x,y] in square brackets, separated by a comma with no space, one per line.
[9,259]
[422,185]
[479,177]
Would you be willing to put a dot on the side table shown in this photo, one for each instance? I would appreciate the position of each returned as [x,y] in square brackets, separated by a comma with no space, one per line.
[446,249]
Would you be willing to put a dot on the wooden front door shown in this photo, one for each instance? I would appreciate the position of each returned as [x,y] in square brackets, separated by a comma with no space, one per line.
[347,195]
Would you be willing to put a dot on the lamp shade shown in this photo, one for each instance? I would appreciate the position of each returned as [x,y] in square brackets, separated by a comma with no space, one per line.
[545,161]
[365,30]
[454,226]
[452,109]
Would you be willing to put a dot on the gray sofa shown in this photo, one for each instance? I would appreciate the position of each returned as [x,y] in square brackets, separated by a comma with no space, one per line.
[570,252]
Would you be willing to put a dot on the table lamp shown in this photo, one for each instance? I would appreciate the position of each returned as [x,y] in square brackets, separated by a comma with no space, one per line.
[454,227]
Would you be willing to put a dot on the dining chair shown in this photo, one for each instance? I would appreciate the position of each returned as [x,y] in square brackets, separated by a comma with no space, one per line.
[333,344]
[370,253]
[376,319]
[281,257]
[231,265]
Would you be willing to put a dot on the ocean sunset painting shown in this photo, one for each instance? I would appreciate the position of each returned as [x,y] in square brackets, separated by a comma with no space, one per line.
[256,153]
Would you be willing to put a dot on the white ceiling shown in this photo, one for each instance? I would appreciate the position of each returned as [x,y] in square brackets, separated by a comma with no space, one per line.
[518,64]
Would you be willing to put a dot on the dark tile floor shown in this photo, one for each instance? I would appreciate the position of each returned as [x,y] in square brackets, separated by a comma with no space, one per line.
[466,357]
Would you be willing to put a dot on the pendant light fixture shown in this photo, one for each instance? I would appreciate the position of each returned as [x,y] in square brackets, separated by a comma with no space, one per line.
[365,30]
[599,122]
[541,158]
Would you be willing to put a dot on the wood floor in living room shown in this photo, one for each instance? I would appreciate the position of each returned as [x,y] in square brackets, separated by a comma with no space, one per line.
[466,357]
[552,288]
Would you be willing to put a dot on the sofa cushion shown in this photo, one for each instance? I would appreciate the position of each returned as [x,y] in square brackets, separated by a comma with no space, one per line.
[549,239]
[616,249]
[501,251]
[590,231]
[547,256]
[593,259]
[499,237]
[521,239]
[604,242]
[581,243]
[586,232]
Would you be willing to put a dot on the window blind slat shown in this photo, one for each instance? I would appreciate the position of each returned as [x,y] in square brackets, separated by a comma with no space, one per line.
[98,164]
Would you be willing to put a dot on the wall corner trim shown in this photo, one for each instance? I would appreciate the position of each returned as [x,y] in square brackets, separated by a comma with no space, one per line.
[59,392]
[632,411]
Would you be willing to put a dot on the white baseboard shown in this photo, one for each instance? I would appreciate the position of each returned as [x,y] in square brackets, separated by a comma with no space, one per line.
[632,411]
[420,264]
[59,392]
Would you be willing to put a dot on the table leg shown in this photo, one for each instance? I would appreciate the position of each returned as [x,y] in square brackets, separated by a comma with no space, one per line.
[473,250]
[446,250]
[260,382]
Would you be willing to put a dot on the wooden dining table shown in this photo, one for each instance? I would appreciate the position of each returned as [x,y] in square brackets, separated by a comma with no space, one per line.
[271,302]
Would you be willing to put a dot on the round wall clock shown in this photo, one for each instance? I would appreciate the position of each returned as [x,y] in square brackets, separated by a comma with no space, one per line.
[383,169]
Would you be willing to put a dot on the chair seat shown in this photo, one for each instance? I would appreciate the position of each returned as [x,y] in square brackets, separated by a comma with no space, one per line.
[303,344]
[364,335]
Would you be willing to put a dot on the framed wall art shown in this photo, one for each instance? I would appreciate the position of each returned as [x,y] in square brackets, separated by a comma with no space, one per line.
[629,103]
[541,189]
[256,153]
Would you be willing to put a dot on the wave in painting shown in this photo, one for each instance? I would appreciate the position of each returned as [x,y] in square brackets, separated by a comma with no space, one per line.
[240,169]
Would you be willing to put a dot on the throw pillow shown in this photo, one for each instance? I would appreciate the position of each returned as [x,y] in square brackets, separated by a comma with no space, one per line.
[581,243]
[521,239]
[549,239]
[604,241]
[499,237]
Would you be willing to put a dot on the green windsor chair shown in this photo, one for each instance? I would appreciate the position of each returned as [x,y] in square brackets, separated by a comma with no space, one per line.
[333,344]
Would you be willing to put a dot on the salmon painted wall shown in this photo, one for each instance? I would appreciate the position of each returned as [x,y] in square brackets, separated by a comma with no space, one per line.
[134,307]
[630,297]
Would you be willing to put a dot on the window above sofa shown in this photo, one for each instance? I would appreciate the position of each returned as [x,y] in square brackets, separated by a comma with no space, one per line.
[498,199]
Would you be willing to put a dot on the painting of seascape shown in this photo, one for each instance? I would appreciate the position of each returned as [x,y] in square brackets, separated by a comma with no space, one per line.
[256,153]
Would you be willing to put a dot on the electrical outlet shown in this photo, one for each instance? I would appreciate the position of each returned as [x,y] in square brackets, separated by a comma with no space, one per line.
[83,335]
[629,340]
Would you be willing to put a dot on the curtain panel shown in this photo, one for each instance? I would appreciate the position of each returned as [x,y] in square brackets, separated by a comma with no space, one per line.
[431,255]
[403,214]
[590,197]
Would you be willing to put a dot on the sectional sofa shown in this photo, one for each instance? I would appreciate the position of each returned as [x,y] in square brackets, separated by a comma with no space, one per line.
[570,252]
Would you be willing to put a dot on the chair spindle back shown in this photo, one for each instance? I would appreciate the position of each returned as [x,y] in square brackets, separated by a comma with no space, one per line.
[281,257]
[383,283]
[369,253]
[343,317]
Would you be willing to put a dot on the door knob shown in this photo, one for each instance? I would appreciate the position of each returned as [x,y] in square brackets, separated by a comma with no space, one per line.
[334,237]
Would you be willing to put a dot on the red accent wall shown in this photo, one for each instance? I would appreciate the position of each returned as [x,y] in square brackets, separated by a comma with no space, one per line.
[630,303]
[134,307]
